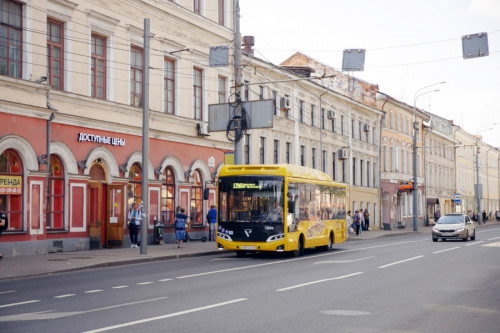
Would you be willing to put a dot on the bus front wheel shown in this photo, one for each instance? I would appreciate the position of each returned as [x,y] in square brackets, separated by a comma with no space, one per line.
[300,248]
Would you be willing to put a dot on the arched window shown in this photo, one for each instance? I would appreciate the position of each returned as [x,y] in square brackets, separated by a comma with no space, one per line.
[197,199]
[168,197]
[12,195]
[134,184]
[55,197]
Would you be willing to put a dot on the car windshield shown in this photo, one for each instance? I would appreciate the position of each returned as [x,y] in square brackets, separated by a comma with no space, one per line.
[451,219]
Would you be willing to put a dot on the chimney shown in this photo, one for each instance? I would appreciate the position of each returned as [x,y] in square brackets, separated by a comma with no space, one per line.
[248,43]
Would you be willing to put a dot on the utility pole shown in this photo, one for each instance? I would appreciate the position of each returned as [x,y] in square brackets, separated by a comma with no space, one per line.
[238,145]
[145,141]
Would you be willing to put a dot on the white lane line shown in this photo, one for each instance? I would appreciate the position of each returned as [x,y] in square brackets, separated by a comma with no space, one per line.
[318,281]
[144,283]
[120,287]
[64,296]
[342,261]
[7,292]
[493,238]
[170,315]
[163,280]
[452,248]
[93,291]
[475,243]
[20,303]
[400,262]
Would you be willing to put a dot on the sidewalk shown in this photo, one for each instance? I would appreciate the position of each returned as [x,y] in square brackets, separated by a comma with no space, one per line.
[25,266]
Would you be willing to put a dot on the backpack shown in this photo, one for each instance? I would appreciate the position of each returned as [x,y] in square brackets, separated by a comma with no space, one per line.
[3,216]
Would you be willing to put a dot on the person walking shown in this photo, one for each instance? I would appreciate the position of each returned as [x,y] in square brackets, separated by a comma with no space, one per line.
[180,227]
[348,222]
[212,220]
[366,215]
[4,222]
[357,222]
[134,223]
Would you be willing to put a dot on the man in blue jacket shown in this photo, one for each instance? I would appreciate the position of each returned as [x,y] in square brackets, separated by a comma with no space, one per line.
[212,220]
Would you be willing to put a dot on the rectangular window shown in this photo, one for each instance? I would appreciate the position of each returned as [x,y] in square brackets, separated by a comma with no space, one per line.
[222,89]
[344,171]
[323,161]
[361,172]
[334,166]
[169,78]
[11,38]
[342,125]
[313,115]
[98,66]
[303,155]
[368,174]
[221,12]
[314,158]
[197,6]
[301,111]
[261,93]
[55,53]
[247,149]
[374,175]
[322,118]
[354,171]
[352,128]
[276,103]
[136,71]
[276,148]
[288,152]
[197,93]
[246,92]
[262,150]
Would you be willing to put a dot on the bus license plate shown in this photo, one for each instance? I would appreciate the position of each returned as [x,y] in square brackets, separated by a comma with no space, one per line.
[248,247]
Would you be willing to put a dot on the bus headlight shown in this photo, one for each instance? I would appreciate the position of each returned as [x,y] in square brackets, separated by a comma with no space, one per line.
[275,238]
[224,236]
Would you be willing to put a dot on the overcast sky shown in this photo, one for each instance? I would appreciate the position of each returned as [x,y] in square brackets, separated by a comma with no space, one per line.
[409,44]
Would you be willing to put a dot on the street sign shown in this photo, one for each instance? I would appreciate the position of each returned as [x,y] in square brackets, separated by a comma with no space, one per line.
[457,198]
[260,114]
[353,60]
[219,56]
[475,45]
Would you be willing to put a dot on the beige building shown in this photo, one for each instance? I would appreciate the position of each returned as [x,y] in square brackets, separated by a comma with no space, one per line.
[316,126]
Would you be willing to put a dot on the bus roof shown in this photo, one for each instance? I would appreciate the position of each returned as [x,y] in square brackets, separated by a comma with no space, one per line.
[288,170]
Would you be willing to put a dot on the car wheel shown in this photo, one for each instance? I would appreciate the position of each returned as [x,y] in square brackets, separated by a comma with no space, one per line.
[466,237]
[473,238]
[434,239]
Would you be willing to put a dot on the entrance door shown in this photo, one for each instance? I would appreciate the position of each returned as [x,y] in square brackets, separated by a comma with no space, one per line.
[96,214]
[115,216]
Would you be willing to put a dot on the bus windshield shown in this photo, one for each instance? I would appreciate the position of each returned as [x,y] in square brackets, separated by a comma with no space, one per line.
[251,199]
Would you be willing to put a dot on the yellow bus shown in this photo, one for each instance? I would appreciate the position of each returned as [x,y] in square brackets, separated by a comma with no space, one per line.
[278,208]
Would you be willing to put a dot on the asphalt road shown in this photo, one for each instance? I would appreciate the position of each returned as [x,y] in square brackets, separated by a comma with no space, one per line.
[403,283]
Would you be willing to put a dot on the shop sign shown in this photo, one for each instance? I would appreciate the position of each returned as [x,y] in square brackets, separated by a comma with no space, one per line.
[85,137]
[10,184]
[406,186]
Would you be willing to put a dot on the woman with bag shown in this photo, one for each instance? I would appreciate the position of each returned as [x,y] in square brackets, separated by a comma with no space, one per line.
[134,223]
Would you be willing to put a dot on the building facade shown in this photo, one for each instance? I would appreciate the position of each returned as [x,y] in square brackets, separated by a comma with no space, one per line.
[71,118]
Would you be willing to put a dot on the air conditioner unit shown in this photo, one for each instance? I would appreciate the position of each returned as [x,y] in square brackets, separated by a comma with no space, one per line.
[284,102]
[366,127]
[343,153]
[203,129]
[330,114]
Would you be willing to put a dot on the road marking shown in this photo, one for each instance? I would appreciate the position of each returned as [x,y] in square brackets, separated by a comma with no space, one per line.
[453,248]
[120,287]
[44,315]
[296,259]
[475,243]
[400,262]
[7,292]
[318,281]
[493,238]
[170,315]
[20,303]
[144,283]
[342,261]
[163,280]
[64,296]
[495,244]
[93,291]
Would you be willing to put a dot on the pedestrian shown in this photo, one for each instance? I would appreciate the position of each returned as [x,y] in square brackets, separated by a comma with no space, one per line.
[357,222]
[4,221]
[212,221]
[497,214]
[180,227]
[134,223]
[348,222]
[366,215]
[485,216]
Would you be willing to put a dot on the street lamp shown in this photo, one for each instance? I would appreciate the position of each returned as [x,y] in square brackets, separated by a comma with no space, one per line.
[418,93]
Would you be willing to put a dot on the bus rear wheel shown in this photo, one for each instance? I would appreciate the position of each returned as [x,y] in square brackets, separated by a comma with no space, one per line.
[329,247]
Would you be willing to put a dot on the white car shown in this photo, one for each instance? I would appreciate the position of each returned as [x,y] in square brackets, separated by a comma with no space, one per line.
[454,226]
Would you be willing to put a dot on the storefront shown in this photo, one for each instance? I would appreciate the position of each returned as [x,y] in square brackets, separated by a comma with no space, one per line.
[94,177]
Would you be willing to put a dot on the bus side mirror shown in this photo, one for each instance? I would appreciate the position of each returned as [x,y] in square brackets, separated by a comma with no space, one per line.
[206,194]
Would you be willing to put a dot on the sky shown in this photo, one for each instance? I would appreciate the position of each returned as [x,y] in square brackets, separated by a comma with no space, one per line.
[410,44]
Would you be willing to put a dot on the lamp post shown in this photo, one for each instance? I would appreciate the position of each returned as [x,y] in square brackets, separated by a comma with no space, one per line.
[415,128]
